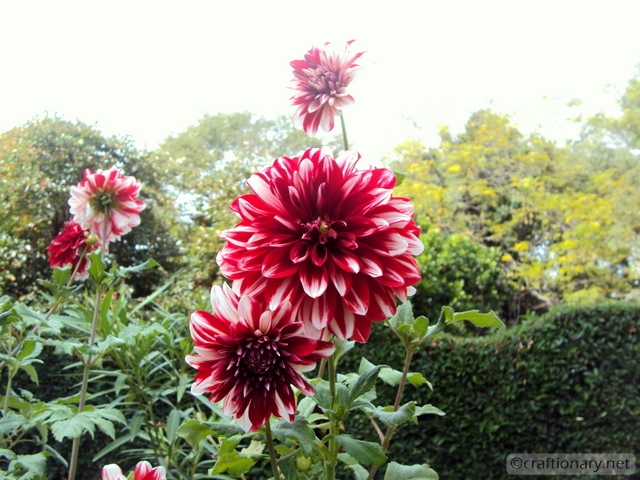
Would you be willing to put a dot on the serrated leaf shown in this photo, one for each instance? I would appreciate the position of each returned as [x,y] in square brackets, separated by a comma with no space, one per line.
[299,430]
[390,376]
[234,464]
[403,316]
[62,275]
[30,349]
[97,266]
[31,371]
[11,422]
[225,429]
[194,432]
[489,319]
[404,414]
[35,465]
[420,326]
[368,453]
[254,449]
[73,427]
[322,397]
[395,471]
[365,382]
[306,406]
[416,379]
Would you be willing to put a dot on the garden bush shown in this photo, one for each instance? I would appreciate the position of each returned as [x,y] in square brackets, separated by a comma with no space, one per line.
[565,382]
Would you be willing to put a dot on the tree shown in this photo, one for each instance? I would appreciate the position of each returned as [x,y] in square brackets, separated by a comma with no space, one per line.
[549,214]
[207,166]
[39,162]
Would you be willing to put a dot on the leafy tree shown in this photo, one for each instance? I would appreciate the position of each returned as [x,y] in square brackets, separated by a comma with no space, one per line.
[39,162]
[550,215]
[207,166]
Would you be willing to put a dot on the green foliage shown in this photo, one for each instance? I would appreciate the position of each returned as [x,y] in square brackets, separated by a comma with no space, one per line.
[39,162]
[555,225]
[462,273]
[564,382]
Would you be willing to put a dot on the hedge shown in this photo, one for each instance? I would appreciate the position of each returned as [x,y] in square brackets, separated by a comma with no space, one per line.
[565,382]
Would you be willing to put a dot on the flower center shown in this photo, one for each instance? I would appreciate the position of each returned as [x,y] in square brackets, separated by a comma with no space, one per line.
[102,201]
[321,230]
[259,358]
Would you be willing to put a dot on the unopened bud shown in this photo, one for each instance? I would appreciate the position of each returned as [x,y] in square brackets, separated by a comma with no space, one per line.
[92,240]
[303,463]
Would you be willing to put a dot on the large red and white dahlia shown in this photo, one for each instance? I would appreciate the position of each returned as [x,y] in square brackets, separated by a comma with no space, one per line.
[106,204]
[249,357]
[320,82]
[326,237]
[67,248]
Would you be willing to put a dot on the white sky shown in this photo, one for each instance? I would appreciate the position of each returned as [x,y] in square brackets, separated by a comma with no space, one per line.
[150,69]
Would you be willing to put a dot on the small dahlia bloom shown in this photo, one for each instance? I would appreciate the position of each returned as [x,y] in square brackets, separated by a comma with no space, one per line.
[106,204]
[67,248]
[328,238]
[320,82]
[249,357]
[143,471]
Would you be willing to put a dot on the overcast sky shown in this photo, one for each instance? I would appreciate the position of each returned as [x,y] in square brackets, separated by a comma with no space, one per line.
[150,69]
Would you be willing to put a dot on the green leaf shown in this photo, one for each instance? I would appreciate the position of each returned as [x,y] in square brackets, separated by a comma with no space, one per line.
[62,275]
[35,465]
[403,316]
[368,453]
[97,266]
[416,379]
[173,422]
[478,319]
[73,427]
[30,349]
[399,177]
[31,371]
[359,472]
[299,430]
[234,464]
[395,471]
[11,422]
[404,414]
[194,432]
[420,326]
[365,382]
[323,397]
[428,409]
[149,264]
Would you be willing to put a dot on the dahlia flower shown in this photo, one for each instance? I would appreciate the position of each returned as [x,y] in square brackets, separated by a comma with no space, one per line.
[326,237]
[106,204]
[250,357]
[143,471]
[67,248]
[320,82]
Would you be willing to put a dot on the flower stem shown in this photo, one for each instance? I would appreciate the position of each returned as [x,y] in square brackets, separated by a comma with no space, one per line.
[389,433]
[344,132]
[334,429]
[272,452]
[87,361]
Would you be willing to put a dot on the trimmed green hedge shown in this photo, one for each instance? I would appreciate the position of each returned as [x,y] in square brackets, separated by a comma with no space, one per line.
[566,382]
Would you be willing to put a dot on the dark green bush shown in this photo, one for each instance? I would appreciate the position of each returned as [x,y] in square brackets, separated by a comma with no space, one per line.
[566,382]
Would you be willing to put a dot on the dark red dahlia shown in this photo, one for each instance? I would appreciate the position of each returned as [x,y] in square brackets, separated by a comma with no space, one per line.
[326,237]
[249,357]
[320,82]
[67,247]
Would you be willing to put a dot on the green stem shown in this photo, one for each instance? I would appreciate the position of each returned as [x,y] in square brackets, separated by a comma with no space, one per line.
[344,132]
[272,452]
[334,428]
[389,433]
[75,448]
[5,408]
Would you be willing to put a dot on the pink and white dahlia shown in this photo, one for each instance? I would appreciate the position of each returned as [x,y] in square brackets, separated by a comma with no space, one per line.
[67,248]
[249,357]
[143,471]
[320,82]
[328,238]
[106,204]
